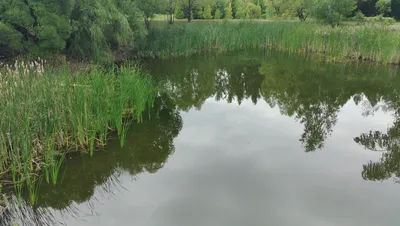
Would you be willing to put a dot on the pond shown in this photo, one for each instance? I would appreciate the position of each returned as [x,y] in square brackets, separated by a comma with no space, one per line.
[254,138]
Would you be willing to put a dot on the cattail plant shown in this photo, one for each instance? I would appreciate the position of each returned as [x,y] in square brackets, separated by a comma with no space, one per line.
[46,112]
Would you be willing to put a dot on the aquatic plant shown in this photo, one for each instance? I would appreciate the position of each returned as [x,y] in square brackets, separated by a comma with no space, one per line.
[45,113]
[367,42]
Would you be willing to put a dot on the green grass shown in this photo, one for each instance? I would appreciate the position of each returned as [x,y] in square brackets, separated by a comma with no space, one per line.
[45,113]
[160,17]
[367,42]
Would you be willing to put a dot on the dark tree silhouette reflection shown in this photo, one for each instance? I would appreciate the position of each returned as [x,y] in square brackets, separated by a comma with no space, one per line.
[389,144]
[312,92]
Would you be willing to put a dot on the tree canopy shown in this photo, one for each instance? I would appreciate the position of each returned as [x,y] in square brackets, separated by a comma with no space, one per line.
[333,11]
[97,30]
[89,29]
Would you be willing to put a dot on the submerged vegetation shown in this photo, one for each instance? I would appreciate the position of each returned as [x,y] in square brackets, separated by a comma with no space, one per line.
[372,43]
[47,112]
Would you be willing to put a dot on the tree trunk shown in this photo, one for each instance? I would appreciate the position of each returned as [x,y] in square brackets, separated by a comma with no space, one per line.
[301,16]
[147,23]
[189,14]
[171,18]
[189,10]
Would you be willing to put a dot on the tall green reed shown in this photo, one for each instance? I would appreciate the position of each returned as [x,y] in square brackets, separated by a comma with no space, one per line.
[368,42]
[46,113]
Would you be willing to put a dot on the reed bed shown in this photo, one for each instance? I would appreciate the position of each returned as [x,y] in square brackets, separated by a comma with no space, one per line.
[45,113]
[367,42]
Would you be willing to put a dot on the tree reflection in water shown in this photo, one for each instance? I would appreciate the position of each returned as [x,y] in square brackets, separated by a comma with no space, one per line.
[310,91]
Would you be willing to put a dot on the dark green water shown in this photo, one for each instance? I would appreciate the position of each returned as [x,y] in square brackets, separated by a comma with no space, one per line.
[248,139]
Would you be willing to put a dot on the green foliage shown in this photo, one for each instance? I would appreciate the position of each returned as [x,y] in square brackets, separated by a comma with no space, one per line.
[241,9]
[228,11]
[290,8]
[334,11]
[207,13]
[61,111]
[170,8]
[263,6]
[217,14]
[94,39]
[149,8]
[219,5]
[389,21]
[10,40]
[334,44]
[301,8]
[16,12]
[53,27]
[384,6]
[188,7]
[179,12]
[382,20]
[234,4]
[359,17]
[253,11]
[87,29]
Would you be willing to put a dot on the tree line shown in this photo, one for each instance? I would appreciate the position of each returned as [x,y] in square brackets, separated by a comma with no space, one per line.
[96,30]
[257,9]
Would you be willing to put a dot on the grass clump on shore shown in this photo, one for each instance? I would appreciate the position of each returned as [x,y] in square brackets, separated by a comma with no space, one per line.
[46,113]
[366,42]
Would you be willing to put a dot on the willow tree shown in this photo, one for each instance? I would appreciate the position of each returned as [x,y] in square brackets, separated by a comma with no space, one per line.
[110,26]
[40,25]
[88,29]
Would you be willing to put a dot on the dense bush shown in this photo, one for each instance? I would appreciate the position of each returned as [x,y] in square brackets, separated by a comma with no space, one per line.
[89,29]
[359,17]
[334,11]
[253,11]
[383,20]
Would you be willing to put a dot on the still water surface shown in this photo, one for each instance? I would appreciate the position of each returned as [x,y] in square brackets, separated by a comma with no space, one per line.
[247,139]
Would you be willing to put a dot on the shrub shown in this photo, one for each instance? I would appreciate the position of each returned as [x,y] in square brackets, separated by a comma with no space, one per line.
[359,17]
[228,11]
[382,20]
[217,14]
[333,11]
[253,11]
[207,13]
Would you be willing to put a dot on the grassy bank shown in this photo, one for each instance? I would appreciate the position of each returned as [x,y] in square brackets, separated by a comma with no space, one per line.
[45,113]
[372,43]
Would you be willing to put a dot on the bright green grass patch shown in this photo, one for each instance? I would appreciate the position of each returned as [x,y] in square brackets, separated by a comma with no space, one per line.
[45,113]
[374,43]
